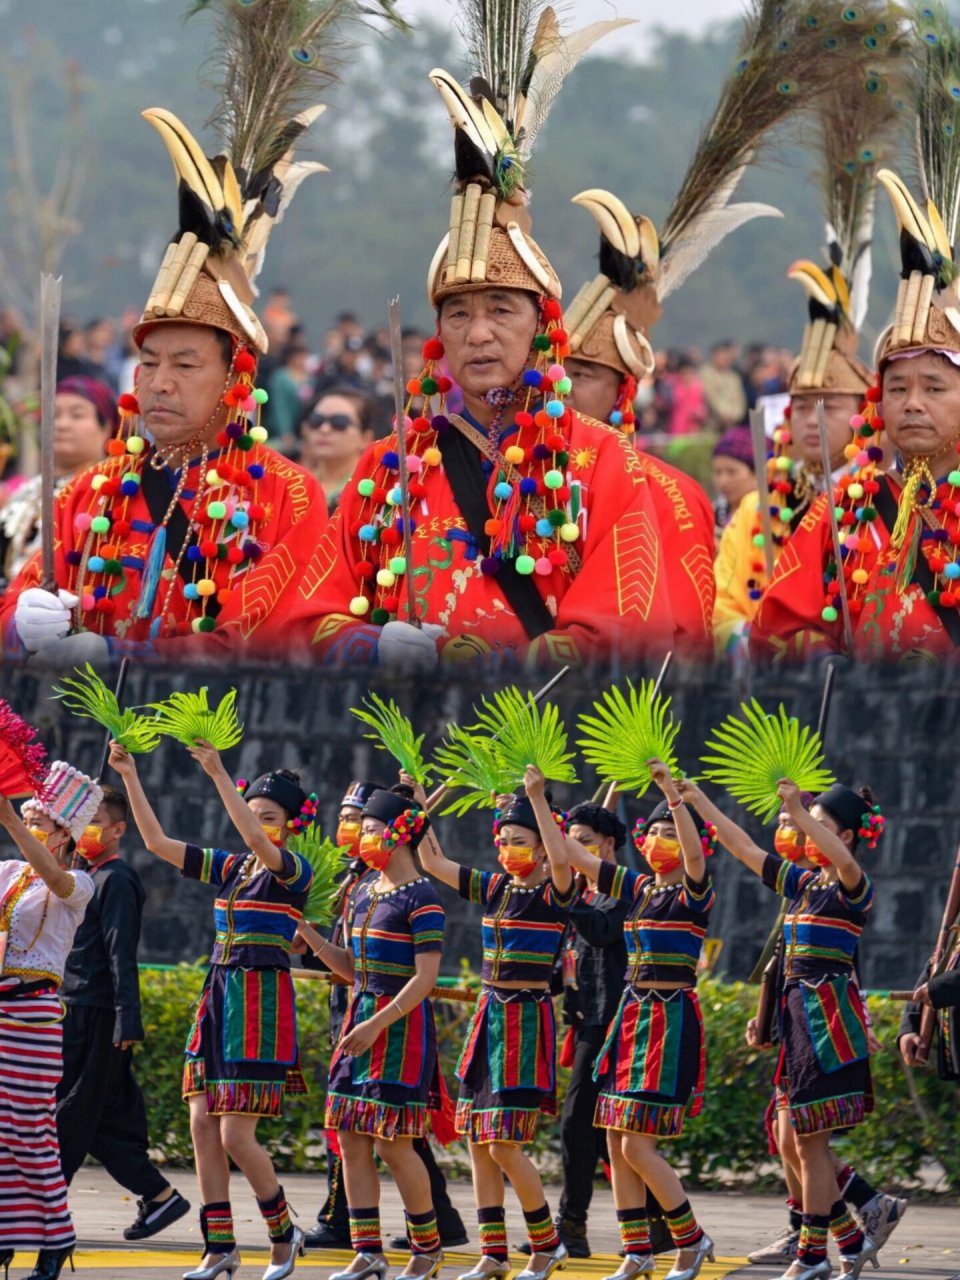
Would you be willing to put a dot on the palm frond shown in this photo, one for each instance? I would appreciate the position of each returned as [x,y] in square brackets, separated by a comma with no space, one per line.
[88,696]
[393,733]
[327,861]
[189,717]
[470,763]
[526,732]
[751,754]
[626,733]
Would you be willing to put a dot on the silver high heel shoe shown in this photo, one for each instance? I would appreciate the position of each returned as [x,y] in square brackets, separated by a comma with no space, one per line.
[479,1272]
[436,1262]
[277,1270]
[818,1270]
[374,1264]
[857,1261]
[226,1266]
[555,1262]
[632,1265]
[704,1251]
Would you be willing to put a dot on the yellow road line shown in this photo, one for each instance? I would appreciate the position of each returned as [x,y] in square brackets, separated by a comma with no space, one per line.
[601,1264]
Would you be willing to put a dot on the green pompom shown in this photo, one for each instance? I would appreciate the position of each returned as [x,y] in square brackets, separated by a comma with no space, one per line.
[524,564]
[260,396]
[557,518]
[365,488]
[541,342]
[205,624]
[829,613]
[379,616]
[217,510]
[428,386]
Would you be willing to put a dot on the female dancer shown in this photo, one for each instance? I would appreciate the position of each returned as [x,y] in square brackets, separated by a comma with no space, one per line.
[651,1067]
[41,906]
[243,1041]
[823,1074]
[384,1075]
[507,1069]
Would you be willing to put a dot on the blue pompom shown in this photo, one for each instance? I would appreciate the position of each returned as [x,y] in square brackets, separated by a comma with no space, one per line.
[391,460]
[503,490]
[528,486]
[99,593]
[129,488]
[951,570]
[190,591]
[555,408]
[368,533]
[95,564]
[255,471]
[193,553]
[616,418]
[532,378]
[544,528]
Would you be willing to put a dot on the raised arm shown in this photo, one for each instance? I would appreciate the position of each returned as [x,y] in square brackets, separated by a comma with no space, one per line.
[732,837]
[412,993]
[238,811]
[432,858]
[148,824]
[553,838]
[694,863]
[827,841]
[339,959]
[40,858]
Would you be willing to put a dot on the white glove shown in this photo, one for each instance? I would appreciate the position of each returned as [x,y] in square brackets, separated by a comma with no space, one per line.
[403,647]
[42,617]
[74,651]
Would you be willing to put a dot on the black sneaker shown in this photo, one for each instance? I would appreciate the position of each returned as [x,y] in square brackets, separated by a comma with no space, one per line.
[155,1215]
[573,1235]
[324,1237]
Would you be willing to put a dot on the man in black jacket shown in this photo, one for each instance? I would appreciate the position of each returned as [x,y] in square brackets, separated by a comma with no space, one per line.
[594,965]
[100,1108]
[942,993]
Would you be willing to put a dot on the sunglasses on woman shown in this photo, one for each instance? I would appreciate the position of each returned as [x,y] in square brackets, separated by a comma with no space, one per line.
[339,421]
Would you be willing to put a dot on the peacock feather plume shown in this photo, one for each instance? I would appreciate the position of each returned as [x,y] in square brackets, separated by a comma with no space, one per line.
[189,718]
[626,733]
[393,733]
[934,96]
[470,764]
[327,861]
[751,753]
[86,695]
[790,55]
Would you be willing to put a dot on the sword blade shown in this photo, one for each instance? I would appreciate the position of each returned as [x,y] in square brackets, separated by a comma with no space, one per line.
[403,471]
[50,289]
[758,437]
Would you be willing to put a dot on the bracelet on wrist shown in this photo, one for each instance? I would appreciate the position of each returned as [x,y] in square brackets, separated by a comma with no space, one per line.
[675,804]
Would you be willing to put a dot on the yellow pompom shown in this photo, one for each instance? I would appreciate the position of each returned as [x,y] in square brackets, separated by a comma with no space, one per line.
[569,532]
[514,455]
[214,477]
[97,483]
[386,578]
[259,435]
[206,587]
[860,576]
[432,457]
[359,606]
[136,444]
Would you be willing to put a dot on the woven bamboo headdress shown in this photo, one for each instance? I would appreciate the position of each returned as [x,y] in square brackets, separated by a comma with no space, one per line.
[789,57]
[521,59]
[270,66]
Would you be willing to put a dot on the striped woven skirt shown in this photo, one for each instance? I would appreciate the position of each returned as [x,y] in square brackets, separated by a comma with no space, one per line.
[242,1047]
[823,1074]
[507,1068]
[390,1090]
[33,1194]
[652,1066]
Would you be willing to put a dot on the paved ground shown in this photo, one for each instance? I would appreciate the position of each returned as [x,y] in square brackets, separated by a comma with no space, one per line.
[925,1247]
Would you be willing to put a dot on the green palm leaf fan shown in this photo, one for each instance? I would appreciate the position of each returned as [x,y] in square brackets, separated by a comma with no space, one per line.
[393,733]
[188,717]
[626,733]
[327,860]
[526,732]
[751,753]
[470,763]
[86,695]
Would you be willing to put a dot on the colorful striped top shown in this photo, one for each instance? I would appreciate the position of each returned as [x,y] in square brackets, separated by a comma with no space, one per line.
[666,924]
[387,931]
[823,922]
[522,928]
[256,912]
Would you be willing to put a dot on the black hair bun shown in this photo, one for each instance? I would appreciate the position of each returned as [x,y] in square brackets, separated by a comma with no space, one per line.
[402,789]
[290,774]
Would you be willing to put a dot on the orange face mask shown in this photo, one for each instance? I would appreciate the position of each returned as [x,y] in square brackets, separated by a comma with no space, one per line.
[373,853]
[518,860]
[90,845]
[790,845]
[348,837]
[273,834]
[816,857]
[662,854]
[42,836]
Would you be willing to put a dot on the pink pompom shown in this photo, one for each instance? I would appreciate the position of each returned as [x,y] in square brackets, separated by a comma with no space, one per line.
[556,372]
[82,521]
[88,600]
[414,464]
[544,567]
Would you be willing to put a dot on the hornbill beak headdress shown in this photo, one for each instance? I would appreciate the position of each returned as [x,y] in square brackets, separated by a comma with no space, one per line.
[521,62]
[786,62]
[271,66]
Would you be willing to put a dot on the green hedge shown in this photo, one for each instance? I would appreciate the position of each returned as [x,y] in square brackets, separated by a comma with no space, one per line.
[916,1113]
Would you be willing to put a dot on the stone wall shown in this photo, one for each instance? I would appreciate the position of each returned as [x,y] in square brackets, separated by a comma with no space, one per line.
[896,731]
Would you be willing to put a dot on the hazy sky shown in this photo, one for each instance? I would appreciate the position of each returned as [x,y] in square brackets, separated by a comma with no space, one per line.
[690,14]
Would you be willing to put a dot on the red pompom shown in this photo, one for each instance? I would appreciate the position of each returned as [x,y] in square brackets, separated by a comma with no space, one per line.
[433,349]
[208,549]
[234,555]
[563,493]
[366,569]
[874,395]
[948,599]
[557,557]
[121,528]
[390,537]
[391,603]
[527,523]
[256,511]
[552,309]
[417,489]
[444,384]
[555,442]
[523,419]
[243,361]
[106,605]
[223,440]
[116,448]
[128,404]
[559,338]
[422,425]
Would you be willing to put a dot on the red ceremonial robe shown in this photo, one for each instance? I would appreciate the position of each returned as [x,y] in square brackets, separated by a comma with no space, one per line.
[687,527]
[888,624]
[619,601]
[264,611]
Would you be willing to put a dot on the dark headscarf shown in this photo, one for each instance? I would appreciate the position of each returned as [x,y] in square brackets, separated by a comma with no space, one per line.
[282,787]
[601,820]
[388,806]
[844,805]
[98,394]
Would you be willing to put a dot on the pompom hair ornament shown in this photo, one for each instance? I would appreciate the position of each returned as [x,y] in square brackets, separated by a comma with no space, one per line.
[752,753]
[872,826]
[404,828]
[22,760]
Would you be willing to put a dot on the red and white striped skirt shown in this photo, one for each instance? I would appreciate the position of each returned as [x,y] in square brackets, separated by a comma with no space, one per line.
[33,1194]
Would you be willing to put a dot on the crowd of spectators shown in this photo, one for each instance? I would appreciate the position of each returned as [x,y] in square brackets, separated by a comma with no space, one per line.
[329,398]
